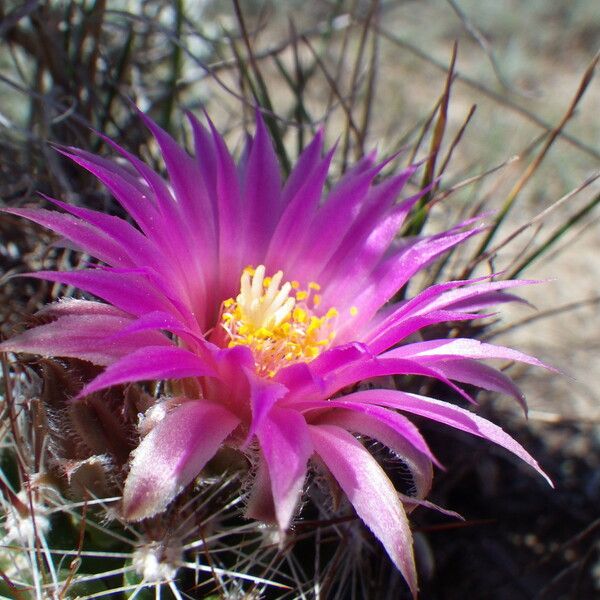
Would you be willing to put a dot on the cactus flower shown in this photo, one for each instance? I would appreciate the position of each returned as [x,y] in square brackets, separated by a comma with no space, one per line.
[266,303]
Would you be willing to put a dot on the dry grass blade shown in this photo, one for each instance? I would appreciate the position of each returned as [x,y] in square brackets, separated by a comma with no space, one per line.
[456,141]
[533,166]
[354,88]
[478,36]
[420,211]
[538,220]
[8,21]
[334,87]
[372,74]
[499,98]
[554,237]
[261,95]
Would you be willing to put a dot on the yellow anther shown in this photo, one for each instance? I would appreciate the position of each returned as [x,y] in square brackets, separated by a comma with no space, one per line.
[353,311]
[266,317]
[314,324]
[299,315]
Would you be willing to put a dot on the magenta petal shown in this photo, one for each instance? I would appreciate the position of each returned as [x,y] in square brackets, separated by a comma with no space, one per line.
[451,415]
[391,432]
[286,446]
[130,292]
[394,271]
[167,322]
[306,162]
[152,362]
[172,455]
[382,366]
[369,237]
[76,306]
[461,348]
[84,235]
[371,493]
[264,393]
[86,337]
[472,372]
[141,249]
[335,217]
[128,191]
[261,192]
[286,241]
[205,157]
[403,328]
[400,424]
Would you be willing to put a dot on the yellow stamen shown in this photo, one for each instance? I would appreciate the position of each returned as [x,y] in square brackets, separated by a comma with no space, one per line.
[353,311]
[276,322]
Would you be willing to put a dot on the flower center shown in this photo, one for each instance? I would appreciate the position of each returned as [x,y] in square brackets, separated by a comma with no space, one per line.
[277,322]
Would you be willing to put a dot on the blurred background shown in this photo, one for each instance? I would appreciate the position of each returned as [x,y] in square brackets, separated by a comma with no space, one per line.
[503,96]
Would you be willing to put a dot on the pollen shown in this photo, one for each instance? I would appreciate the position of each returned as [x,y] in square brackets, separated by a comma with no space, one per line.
[280,322]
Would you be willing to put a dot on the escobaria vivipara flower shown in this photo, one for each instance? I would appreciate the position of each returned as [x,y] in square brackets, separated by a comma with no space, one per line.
[266,304]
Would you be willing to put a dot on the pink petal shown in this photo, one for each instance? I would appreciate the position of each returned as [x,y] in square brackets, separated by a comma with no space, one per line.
[152,362]
[205,157]
[307,161]
[391,432]
[76,306]
[172,455]
[167,322]
[131,292]
[127,190]
[371,493]
[261,192]
[141,249]
[333,221]
[264,393]
[86,337]
[400,424]
[369,237]
[286,447]
[451,415]
[470,371]
[85,236]
[403,328]
[295,221]
[228,204]
[392,273]
[461,348]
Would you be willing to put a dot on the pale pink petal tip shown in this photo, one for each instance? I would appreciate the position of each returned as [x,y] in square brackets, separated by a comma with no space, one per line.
[371,493]
[172,455]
